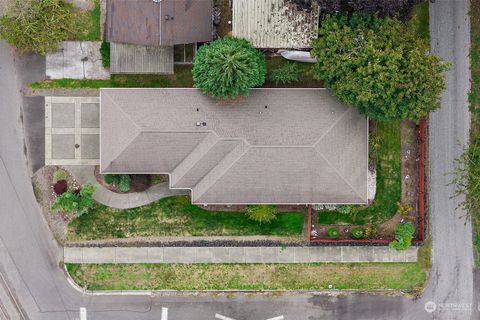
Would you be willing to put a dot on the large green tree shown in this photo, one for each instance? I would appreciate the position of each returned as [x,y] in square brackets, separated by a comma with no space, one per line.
[378,65]
[228,67]
[36,25]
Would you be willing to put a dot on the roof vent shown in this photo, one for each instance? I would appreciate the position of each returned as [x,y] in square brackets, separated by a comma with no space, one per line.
[198,124]
[157,1]
[204,124]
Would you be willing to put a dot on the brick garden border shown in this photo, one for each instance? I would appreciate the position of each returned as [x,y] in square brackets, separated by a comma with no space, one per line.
[421,199]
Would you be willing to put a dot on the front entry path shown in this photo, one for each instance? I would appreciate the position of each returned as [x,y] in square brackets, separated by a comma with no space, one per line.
[84,174]
[236,254]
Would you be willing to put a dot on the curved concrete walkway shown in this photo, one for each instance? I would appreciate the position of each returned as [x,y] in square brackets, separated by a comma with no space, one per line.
[106,197]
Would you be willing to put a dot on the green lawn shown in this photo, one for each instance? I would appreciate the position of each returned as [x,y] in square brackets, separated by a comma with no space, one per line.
[420,20]
[176,216]
[306,78]
[87,24]
[181,79]
[388,156]
[313,276]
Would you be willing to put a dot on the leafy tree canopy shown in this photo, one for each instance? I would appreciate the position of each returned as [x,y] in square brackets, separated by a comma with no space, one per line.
[379,66]
[403,236]
[228,67]
[36,25]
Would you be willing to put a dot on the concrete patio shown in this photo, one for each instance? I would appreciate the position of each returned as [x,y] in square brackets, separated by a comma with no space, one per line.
[76,60]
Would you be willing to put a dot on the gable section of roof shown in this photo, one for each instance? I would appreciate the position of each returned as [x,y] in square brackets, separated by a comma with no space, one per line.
[124,127]
[341,148]
[278,175]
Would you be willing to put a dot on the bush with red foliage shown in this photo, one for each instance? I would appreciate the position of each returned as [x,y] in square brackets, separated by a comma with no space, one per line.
[60,187]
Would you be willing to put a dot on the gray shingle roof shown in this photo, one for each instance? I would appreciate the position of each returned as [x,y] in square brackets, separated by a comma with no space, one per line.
[275,146]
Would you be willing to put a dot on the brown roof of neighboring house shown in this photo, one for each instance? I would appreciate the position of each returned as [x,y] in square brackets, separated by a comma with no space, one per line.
[275,146]
[164,23]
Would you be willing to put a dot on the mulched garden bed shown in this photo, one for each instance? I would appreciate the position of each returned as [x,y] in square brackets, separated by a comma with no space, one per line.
[43,182]
[139,182]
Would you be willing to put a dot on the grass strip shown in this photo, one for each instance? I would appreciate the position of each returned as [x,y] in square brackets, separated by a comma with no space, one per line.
[474,100]
[313,276]
[176,216]
[182,78]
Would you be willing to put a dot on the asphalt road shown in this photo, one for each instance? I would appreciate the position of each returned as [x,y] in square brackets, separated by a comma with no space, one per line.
[29,256]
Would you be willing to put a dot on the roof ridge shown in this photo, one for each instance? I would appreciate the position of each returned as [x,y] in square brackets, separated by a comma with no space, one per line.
[332,126]
[338,173]
[187,163]
[136,127]
[245,147]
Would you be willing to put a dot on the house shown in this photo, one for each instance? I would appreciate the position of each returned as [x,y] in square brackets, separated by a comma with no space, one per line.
[146,35]
[279,146]
[275,24]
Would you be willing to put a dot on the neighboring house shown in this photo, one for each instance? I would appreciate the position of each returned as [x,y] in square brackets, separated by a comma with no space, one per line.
[275,24]
[280,146]
[143,34]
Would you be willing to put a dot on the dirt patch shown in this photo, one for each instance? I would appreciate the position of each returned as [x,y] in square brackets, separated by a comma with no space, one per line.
[410,165]
[138,182]
[43,182]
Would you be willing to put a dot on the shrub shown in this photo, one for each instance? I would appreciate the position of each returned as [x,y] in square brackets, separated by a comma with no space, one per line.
[403,236]
[111,178]
[371,231]
[357,233]
[344,208]
[59,174]
[262,213]
[37,25]
[124,183]
[333,233]
[60,187]
[466,178]
[74,201]
[285,74]
[228,67]
[404,209]
[105,53]
[380,66]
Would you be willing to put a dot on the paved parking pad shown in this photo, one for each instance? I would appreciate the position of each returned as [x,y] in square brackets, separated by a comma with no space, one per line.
[72,134]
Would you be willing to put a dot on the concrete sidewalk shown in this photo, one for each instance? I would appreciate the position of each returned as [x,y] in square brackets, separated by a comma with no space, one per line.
[236,254]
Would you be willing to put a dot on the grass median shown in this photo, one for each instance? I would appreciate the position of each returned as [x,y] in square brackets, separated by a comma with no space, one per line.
[408,277]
